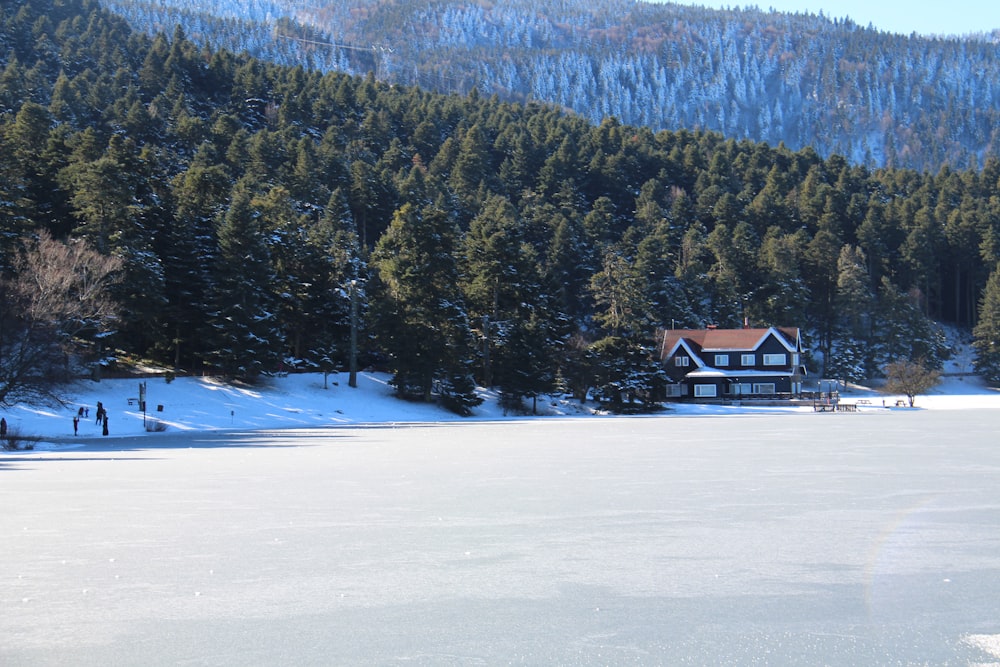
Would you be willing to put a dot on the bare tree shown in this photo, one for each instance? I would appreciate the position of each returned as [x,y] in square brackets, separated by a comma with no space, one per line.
[56,297]
[910,378]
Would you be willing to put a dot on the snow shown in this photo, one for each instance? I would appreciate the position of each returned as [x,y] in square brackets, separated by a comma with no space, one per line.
[288,524]
[198,404]
[195,404]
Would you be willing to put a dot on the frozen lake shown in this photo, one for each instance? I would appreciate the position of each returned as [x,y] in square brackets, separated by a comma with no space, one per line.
[841,539]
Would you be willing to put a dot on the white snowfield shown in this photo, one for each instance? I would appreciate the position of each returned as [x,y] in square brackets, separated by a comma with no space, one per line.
[292,525]
[192,404]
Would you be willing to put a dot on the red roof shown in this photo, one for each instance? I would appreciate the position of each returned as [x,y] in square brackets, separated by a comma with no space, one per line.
[725,339]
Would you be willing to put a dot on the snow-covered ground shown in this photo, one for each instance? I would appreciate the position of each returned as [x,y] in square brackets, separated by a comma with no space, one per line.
[192,404]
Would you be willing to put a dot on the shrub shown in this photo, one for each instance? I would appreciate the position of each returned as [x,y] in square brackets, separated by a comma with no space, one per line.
[18,441]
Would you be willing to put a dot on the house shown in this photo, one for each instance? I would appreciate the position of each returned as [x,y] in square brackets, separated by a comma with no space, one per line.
[713,363]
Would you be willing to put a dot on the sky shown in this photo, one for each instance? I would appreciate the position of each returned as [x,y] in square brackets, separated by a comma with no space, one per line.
[957,17]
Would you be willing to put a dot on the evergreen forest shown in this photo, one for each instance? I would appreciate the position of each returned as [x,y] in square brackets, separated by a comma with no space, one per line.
[878,99]
[257,218]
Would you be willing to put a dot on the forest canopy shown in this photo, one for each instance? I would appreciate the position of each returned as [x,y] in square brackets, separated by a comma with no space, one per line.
[516,245]
[801,79]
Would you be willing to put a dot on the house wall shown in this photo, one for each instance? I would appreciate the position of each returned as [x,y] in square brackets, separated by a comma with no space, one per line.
[786,378]
[675,372]
[724,388]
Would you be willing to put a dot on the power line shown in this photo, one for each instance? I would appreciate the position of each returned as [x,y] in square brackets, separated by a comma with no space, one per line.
[334,45]
[376,50]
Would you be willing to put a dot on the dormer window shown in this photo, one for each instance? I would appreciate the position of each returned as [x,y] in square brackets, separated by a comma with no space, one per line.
[682,361]
[722,360]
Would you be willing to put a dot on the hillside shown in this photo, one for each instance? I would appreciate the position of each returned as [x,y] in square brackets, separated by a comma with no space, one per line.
[878,99]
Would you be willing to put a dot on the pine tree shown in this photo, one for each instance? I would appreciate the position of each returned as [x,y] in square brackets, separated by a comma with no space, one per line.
[569,267]
[528,361]
[189,249]
[655,265]
[246,338]
[38,198]
[852,357]
[986,334]
[421,319]
[782,295]
[502,284]
[620,294]
[903,331]
[854,298]
[113,200]
[308,285]
[626,376]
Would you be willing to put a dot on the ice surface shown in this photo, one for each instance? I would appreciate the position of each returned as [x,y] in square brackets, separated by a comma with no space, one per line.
[752,538]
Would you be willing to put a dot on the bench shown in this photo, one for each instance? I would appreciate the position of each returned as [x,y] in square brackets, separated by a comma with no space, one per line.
[132,401]
[835,407]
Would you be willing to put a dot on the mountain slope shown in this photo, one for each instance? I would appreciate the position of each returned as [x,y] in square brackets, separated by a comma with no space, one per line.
[878,99]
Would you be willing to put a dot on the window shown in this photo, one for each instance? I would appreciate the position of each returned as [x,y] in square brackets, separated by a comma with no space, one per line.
[748,359]
[722,360]
[764,389]
[704,390]
[774,360]
[682,361]
[673,391]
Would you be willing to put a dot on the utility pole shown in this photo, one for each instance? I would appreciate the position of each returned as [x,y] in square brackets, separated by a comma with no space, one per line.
[353,360]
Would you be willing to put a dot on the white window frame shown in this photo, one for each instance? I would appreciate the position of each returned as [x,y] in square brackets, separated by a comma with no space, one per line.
[775,359]
[673,391]
[722,360]
[705,391]
[764,388]
[682,361]
[748,359]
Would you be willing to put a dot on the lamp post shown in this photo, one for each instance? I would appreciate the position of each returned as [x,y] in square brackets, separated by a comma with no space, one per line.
[352,380]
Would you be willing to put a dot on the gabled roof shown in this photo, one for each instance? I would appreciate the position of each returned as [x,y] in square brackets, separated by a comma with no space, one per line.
[698,341]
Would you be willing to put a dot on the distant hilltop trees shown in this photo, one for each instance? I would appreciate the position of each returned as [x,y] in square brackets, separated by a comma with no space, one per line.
[878,99]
